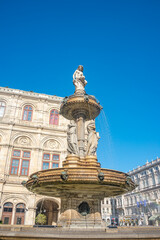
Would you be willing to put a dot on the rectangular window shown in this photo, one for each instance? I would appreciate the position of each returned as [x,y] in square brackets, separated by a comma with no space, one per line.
[19,220]
[56,120]
[25,115]
[20,210]
[55,165]
[14,166]
[46,156]
[16,153]
[26,154]
[19,159]
[45,165]
[7,209]
[6,220]
[25,167]
[29,116]
[50,160]
[55,157]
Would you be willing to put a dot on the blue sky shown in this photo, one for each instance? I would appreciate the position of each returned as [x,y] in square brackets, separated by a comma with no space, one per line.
[117,42]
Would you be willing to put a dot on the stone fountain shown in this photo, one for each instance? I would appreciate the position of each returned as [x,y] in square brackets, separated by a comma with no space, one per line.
[81,183]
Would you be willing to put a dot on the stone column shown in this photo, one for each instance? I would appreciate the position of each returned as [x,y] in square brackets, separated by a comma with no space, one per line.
[81,133]
[50,214]
[13,214]
[30,215]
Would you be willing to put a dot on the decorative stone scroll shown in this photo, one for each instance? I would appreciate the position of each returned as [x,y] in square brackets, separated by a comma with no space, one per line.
[25,141]
[52,144]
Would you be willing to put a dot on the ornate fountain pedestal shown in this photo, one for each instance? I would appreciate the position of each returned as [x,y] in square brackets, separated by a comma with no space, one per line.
[81,190]
[81,183]
[81,211]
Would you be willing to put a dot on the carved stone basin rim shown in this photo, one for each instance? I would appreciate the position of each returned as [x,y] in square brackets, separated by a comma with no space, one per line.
[50,182]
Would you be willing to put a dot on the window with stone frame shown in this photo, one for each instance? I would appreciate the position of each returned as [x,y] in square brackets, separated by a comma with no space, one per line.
[20,208]
[2,108]
[20,162]
[8,207]
[50,160]
[27,113]
[54,117]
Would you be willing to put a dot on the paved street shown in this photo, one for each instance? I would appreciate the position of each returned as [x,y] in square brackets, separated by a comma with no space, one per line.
[24,233]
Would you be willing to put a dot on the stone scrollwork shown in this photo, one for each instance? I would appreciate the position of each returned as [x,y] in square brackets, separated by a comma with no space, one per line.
[72,143]
[52,144]
[23,141]
[93,138]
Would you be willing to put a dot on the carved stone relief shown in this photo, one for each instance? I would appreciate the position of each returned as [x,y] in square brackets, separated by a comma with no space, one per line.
[72,139]
[52,144]
[23,141]
[93,138]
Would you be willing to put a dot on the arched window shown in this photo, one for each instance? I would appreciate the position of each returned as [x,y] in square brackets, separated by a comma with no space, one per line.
[8,207]
[27,113]
[54,117]
[20,214]
[7,213]
[2,108]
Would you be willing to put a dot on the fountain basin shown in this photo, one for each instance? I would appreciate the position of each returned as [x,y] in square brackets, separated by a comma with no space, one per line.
[85,103]
[80,180]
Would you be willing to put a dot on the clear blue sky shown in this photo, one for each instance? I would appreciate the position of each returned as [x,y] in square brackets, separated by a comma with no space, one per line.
[117,42]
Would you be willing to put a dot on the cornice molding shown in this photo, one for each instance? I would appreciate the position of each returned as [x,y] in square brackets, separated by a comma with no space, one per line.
[34,126]
[30,94]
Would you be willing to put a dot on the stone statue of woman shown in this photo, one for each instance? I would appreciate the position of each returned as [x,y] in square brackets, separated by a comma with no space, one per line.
[72,139]
[79,80]
[93,138]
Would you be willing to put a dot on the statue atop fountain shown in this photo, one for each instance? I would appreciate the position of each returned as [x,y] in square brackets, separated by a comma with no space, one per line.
[79,80]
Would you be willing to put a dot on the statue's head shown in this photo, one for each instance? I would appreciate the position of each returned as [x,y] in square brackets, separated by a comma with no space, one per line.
[80,68]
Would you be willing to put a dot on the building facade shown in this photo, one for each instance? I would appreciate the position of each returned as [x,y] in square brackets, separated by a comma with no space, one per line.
[109,211]
[141,206]
[32,138]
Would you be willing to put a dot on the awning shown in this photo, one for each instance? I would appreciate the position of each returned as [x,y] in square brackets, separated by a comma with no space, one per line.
[154,217]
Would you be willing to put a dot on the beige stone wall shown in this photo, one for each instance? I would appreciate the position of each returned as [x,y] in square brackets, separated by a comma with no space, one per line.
[37,136]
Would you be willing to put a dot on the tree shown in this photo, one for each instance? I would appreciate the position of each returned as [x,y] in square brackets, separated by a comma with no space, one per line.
[41,219]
